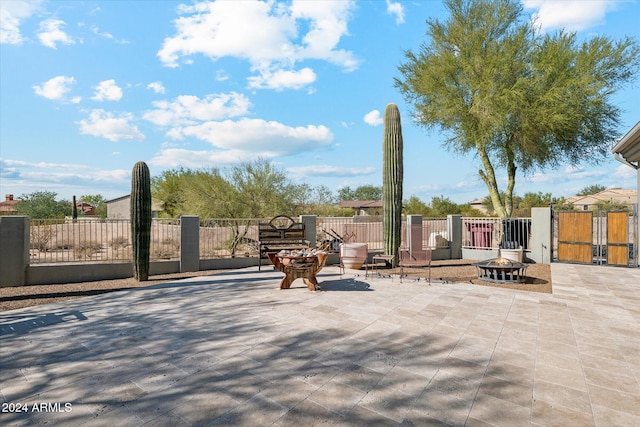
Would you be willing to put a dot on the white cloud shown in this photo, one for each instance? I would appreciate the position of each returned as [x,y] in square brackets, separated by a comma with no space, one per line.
[107,90]
[221,76]
[55,88]
[624,172]
[95,30]
[177,157]
[51,33]
[373,118]
[157,87]
[573,15]
[256,135]
[396,9]
[106,125]
[189,109]
[329,170]
[12,13]
[59,177]
[273,46]
[282,79]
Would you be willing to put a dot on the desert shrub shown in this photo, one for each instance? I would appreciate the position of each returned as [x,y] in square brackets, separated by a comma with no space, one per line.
[119,242]
[86,250]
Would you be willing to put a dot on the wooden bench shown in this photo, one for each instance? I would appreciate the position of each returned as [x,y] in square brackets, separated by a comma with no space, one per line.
[280,233]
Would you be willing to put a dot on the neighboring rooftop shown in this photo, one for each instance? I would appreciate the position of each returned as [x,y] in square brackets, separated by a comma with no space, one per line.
[612,195]
[10,204]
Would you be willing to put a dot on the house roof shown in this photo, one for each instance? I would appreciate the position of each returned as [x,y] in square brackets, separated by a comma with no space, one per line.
[617,195]
[9,204]
[627,150]
[360,204]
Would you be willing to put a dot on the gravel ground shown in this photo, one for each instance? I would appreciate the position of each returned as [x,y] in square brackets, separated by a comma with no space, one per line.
[461,271]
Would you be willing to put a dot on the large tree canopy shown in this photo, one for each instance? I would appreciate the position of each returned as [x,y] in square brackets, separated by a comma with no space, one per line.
[516,98]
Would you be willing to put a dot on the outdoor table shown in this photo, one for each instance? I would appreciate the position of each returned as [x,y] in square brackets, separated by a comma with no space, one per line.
[299,267]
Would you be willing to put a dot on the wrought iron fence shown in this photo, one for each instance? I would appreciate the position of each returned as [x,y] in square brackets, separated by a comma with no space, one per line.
[228,237]
[369,229]
[97,240]
[109,240]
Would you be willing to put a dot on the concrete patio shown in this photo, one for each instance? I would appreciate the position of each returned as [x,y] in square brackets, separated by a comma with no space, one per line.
[232,349]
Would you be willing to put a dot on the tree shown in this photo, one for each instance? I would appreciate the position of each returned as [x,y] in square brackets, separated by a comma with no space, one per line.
[533,200]
[169,188]
[591,189]
[364,192]
[443,206]
[415,206]
[43,205]
[514,97]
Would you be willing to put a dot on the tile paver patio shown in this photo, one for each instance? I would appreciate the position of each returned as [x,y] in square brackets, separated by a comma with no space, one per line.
[232,349]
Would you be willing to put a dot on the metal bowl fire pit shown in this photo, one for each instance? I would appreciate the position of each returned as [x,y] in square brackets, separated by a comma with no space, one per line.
[501,270]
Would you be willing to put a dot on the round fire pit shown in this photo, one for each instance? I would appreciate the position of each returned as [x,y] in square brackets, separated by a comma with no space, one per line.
[501,270]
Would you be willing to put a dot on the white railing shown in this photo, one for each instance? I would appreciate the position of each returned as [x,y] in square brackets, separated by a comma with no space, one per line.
[492,233]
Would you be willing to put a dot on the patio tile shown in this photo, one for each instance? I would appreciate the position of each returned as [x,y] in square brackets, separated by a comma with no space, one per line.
[559,395]
[614,399]
[565,377]
[308,413]
[232,348]
[549,414]
[498,412]
[337,397]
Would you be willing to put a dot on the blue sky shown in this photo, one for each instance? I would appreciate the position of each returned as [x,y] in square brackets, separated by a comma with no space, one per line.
[88,88]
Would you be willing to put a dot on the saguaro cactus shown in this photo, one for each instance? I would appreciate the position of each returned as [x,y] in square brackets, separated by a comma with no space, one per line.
[141,219]
[74,209]
[392,175]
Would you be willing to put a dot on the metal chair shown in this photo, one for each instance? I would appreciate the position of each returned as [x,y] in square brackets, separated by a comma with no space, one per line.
[414,259]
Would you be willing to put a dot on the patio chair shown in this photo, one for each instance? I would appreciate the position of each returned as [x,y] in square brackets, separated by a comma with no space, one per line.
[414,259]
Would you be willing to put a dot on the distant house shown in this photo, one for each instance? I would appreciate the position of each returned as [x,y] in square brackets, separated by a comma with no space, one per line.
[479,205]
[363,207]
[9,206]
[120,208]
[86,209]
[613,195]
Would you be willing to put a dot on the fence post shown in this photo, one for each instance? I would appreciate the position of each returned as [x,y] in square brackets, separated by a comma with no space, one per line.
[189,243]
[309,222]
[540,235]
[14,258]
[414,234]
[454,230]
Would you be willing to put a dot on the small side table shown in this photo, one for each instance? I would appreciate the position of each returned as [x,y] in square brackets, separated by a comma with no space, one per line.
[379,257]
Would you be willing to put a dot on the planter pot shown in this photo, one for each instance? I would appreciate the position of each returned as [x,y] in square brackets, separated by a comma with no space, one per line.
[512,254]
[353,255]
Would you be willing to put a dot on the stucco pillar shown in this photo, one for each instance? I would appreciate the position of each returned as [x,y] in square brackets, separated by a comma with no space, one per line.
[414,233]
[14,256]
[310,233]
[189,243]
[454,231]
[540,235]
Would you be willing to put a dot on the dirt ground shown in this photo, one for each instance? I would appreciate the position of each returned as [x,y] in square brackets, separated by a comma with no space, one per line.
[449,271]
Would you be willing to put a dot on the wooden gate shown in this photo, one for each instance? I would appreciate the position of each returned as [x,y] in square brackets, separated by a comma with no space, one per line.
[575,237]
[597,237]
[617,239]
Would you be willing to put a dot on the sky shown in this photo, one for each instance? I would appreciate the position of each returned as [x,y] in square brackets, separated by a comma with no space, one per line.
[88,88]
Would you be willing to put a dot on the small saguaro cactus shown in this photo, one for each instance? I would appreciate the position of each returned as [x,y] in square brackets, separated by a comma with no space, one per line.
[141,220]
[74,209]
[392,175]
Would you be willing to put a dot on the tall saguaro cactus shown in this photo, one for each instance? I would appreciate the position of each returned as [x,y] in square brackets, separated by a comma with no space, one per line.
[141,220]
[392,175]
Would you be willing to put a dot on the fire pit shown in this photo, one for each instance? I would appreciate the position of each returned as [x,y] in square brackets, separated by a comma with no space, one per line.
[501,270]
